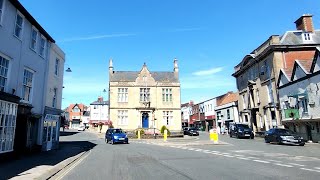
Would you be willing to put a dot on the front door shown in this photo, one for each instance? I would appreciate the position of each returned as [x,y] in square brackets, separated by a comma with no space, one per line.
[49,136]
[309,134]
[145,120]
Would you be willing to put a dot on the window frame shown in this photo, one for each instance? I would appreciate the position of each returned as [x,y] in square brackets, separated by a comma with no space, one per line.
[2,5]
[167,117]
[21,26]
[54,98]
[144,95]
[33,29]
[56,67]
[123,95]
[7,72]
[43,55]
[228,114]
[122,117]
[306,37]
[30,95]
[167,95]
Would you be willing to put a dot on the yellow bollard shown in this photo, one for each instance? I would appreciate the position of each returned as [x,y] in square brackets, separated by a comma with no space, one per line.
[211,134]
[139,134]
[215,138]
[165,135]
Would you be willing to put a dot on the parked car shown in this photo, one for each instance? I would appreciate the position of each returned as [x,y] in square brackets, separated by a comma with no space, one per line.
[240,130]
[283,136]
[116,136]
[81,128]
[186,130]
[192,132]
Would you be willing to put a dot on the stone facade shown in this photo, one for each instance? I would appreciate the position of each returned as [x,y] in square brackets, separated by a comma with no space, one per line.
[144,99]
[258,73]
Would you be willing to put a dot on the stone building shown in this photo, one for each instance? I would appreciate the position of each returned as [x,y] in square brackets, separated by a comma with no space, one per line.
[145,99]
[258,73]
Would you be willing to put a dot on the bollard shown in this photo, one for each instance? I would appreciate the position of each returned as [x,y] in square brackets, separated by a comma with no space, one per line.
[165,135]
[211,134]
[139,134]
[215,138]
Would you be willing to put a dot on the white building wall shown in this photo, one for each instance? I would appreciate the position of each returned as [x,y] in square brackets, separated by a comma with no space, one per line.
[100,113]
[209,107]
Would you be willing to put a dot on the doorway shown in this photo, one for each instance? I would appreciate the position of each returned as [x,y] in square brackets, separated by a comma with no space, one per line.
[309,134]
[145,120]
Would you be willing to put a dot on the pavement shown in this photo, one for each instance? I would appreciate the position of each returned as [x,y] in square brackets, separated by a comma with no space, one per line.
[44,165]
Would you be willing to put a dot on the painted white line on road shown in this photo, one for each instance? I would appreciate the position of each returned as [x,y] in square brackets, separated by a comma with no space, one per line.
[261,161]
[310,170]
[238,155]
[284,165]
[227,155]
[317,167]
[215,151]
[243,158]
[174,147]
[199,150]
[252,157]
[191,149]
[207,152]
[274,160]
[295,164]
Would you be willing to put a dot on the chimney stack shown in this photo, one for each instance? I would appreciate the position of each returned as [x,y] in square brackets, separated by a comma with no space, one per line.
[100,99]
[176,68]
[110,67]
[305,23]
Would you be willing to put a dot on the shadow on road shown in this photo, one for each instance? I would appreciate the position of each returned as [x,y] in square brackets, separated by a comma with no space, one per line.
[68,133]
[51,158]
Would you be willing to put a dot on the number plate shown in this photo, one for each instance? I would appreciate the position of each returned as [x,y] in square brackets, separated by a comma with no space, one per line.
[121,138]
[247,135]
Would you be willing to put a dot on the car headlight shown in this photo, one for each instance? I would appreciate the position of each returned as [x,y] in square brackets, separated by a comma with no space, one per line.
[284,137]
[126,136]
[115,137]
[239,130]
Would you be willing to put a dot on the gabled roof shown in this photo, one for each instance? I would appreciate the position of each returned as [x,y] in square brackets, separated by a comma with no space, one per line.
[131,76]
[315,59]
[305,65]
[227,98]
[284,74]
[71,106]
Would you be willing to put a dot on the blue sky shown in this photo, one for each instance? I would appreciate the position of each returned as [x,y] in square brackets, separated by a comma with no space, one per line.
[208,38]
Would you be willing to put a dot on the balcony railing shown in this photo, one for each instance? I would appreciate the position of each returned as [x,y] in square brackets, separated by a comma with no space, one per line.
[292,113]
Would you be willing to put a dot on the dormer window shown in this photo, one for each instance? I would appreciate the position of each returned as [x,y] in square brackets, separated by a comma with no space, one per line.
[306,37]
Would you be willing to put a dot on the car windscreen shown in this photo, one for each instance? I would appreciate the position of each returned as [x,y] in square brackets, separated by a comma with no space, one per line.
[192,129]
[285,132]
[244,126]
[117,131]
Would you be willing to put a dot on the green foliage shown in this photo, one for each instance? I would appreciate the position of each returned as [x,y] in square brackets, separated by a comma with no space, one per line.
[164,128]
[141,132]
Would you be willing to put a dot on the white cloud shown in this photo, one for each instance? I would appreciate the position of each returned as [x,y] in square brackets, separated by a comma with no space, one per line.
[208,72]
[95,37]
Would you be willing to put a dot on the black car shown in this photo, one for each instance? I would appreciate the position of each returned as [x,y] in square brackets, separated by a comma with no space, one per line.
[240,130]
[191,131]
[283,136]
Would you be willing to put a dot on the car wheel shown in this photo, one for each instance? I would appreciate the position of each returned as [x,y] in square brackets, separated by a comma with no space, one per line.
[238,137]
[266,141]
[106,140]
[112,142]
[301,144]
[230,135]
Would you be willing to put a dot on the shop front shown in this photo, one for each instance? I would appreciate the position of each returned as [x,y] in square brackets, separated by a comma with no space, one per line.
[50,132]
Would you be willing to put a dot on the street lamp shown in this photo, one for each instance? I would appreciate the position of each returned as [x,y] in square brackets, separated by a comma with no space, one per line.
[68,69]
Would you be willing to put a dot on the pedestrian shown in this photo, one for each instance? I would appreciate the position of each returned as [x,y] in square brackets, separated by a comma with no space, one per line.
[218,129]
[222,129]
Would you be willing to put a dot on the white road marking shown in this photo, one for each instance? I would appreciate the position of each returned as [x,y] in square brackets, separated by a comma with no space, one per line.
[215,151]
[266,162]
[317,167]
[274,160]
[252,157]
[199,150]
[284,165]
[207,152]
[310,170]
[191,149]
[238,155]
[243,158]
[227,155]
[295,164]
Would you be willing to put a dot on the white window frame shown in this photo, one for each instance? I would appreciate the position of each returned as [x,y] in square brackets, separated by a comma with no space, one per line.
[123,117]
[144,95]
[8,115]
[42,49]
[34,41]
[167,117]
[306,37]
[77,109]
[54,98]
[166,94]
[122,94]
[30,86]
[5,70]
[56,67]
[19,26]
[2,5]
